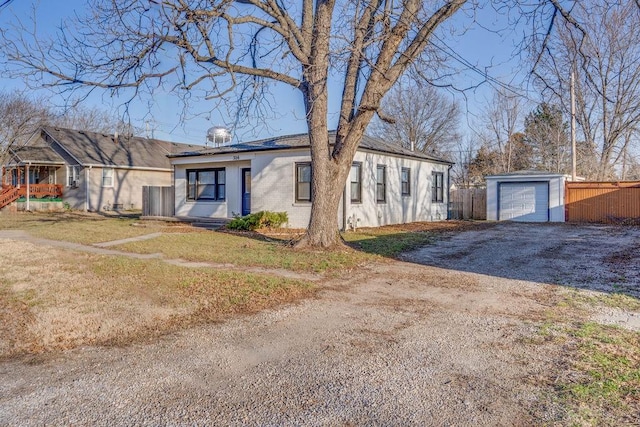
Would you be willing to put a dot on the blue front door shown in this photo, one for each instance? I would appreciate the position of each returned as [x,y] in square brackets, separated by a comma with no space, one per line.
[246,191]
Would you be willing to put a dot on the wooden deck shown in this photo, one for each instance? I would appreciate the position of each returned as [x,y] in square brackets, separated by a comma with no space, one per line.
[10,194]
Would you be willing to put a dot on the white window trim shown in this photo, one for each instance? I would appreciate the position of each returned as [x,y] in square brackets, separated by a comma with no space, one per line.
[109,185]
[72,175]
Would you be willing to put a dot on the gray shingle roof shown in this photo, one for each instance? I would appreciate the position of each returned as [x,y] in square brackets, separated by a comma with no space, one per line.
[37,152]
[302,141]
[91,148]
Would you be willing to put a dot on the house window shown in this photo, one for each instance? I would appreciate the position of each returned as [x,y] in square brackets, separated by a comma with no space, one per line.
[356,182]
[405,181]
[303,182]
[381,184]
[107,177]
[437,187]
[206,184]
[72,175]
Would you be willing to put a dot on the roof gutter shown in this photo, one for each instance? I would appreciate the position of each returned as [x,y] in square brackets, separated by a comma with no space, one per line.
[34,162]
[140,168]
[262,149]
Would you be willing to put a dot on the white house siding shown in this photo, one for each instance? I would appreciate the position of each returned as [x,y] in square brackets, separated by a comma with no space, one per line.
[397,209]
[228,208]
[556,192]
[273,188]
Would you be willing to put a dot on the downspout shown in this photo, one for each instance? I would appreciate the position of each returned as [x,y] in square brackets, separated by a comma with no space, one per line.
[28,185]
[344,208]
[87,177]
[449,192]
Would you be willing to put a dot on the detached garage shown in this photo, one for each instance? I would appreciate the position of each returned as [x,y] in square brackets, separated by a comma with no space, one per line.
[526,196]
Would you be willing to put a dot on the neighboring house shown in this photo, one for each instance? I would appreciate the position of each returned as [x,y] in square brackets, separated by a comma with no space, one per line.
[87,170]
[387,184]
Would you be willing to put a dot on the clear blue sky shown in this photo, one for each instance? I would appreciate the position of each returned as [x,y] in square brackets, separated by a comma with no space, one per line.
[479,46]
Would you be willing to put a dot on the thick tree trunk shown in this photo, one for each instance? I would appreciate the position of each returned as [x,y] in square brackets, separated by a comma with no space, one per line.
[325,190]
[323,230]
[326,181]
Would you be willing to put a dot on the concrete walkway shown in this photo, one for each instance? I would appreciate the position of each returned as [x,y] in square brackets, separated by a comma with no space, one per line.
[102,249]
[128,240]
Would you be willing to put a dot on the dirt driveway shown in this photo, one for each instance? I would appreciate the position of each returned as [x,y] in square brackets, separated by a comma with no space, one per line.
[440,339]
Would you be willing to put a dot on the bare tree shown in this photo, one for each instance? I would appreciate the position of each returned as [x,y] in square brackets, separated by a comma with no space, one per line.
[418,116]
[19,118]
[219,47]
[501,120]
[95,120]
[465,153]
[600,41]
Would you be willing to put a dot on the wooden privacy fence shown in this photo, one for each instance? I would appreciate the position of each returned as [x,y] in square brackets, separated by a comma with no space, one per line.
[469,203]
[604,202]
[158,201]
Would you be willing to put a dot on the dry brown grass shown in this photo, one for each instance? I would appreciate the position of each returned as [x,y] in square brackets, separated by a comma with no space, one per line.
[79,227]
[53,299]
[68,299]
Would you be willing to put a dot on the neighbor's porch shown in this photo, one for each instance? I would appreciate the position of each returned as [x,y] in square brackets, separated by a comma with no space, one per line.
[27,182]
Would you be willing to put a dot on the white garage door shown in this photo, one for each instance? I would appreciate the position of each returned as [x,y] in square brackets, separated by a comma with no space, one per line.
[524,201]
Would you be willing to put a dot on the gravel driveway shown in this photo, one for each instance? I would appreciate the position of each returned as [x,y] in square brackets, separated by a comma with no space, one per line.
[440,339]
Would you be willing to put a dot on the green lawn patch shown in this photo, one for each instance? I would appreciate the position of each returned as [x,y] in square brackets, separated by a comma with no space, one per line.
[249,249]
[387,243]
[607,391]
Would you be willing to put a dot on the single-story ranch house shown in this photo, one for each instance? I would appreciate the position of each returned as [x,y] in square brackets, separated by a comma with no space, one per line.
[387,184]
[86,170]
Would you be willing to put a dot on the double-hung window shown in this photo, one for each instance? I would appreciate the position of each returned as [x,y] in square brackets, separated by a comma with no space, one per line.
[206,184]
[303,182]
[381,184]
[405,181]
[72,175]
[356,182]
[437,187]
[107,177]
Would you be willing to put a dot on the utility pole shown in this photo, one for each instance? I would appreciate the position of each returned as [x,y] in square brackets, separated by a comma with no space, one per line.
[573,127]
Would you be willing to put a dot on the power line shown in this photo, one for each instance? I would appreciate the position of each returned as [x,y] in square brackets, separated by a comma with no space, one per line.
[5,3]
[449,51]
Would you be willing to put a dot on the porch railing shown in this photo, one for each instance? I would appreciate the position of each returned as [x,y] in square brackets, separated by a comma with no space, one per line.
[39,191]
[36,191]
[8,195]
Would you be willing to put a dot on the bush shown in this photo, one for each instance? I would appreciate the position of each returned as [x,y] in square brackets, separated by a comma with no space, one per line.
[262,219]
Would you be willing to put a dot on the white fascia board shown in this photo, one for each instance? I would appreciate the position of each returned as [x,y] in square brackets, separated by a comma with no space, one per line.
[232,157]
[404,156]
[138,168]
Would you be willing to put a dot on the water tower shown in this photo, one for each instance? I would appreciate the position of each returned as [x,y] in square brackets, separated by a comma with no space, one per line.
[218,135]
